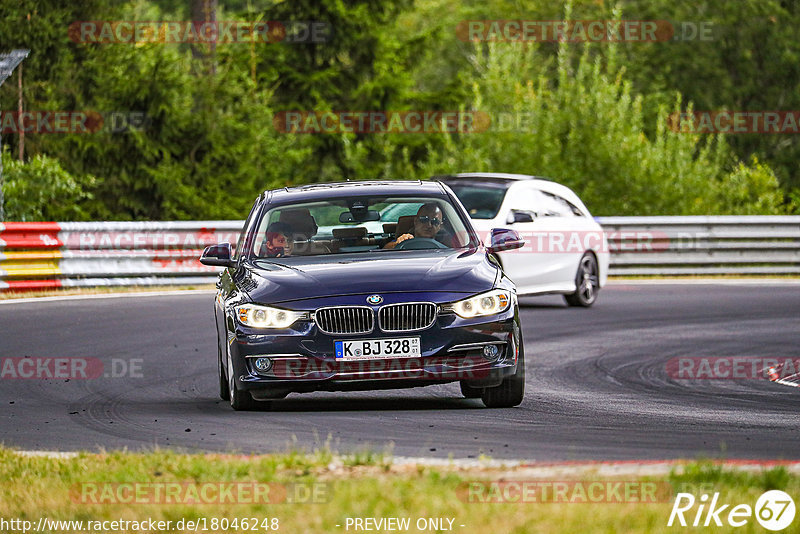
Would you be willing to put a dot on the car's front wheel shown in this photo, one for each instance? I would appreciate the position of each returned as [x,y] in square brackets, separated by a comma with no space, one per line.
[587,283]
[468,391]
[240,400]
[511,391]
[223,381]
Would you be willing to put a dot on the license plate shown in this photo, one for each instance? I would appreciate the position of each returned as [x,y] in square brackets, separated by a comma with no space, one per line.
[370,349]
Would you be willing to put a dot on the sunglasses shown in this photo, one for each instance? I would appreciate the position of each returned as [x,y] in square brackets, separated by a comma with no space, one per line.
[435,221]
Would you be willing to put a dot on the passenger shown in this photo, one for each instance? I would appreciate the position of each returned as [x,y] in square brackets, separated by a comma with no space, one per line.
[426,224]
[278,242]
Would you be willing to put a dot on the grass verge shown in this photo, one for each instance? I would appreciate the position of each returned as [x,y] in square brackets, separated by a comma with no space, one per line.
[318,493]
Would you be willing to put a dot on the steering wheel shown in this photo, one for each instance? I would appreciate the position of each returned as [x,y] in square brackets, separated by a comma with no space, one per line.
[419,243]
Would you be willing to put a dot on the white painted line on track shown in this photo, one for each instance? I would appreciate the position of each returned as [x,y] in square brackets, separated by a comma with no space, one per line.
[110,296]
[526,469]
[785,382]
[457,462]
[707,281]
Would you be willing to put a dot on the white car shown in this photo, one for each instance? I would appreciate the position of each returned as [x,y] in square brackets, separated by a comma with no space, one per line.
[566,250]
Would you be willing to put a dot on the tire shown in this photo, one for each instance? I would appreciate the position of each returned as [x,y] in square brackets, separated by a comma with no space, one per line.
[587,283]
[511,391]
[223,381]
[240,400]
[224,394]
[470,392]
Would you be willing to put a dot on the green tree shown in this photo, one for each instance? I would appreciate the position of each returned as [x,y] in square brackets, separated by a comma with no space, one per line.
[749,61]
[585,127]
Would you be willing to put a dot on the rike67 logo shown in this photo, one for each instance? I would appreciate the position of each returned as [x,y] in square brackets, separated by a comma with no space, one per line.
[774,510]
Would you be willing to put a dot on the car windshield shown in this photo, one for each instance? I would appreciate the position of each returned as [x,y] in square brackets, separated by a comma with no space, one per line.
[482,199]
[359,224]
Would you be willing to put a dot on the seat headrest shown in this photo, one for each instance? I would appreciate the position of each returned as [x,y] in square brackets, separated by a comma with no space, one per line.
[302,222]
[404,225]
[354,232]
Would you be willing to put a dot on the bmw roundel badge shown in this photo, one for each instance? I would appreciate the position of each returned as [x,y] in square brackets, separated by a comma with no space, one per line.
[374,299]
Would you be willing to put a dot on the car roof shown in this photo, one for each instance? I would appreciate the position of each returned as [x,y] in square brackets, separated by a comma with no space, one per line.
[490,176]
[346,189]
[520,180]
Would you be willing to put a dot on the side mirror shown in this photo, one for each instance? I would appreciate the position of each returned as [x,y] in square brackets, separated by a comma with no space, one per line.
[518,216]
[505,239]
[217,256]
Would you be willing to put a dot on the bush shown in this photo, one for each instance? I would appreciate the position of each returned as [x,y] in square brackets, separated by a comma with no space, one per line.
[584,127]
[41,190]
[751,190]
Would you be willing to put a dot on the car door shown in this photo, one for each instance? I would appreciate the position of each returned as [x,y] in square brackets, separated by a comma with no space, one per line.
[227,289]
[546,262]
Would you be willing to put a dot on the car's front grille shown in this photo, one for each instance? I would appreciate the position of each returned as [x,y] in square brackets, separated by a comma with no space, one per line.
[345,320]
[406,317]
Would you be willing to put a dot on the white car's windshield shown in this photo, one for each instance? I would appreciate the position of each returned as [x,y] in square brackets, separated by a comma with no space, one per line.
[482,199]
[359,224]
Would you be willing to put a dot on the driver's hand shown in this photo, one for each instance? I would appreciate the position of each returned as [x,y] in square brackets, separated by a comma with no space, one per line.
[404,237]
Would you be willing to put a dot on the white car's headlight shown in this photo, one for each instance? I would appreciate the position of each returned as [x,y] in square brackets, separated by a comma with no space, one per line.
[267,317]
[489,303]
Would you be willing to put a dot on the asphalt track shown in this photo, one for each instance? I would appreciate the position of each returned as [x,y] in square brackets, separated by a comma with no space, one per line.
[597,384]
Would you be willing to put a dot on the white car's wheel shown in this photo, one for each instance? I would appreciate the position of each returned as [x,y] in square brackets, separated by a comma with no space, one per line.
[587,283]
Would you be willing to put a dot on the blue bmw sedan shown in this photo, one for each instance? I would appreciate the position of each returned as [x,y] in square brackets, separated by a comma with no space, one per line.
[361,286]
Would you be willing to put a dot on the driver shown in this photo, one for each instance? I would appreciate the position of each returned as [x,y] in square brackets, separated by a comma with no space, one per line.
[426,224]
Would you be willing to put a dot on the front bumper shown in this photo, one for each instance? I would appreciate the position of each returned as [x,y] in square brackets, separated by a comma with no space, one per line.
[303,359]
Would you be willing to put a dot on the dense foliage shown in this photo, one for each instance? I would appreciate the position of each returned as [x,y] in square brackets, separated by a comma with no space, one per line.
[593,116]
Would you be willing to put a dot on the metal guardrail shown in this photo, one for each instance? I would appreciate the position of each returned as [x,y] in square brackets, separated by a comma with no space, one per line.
[701,245]
[51,255]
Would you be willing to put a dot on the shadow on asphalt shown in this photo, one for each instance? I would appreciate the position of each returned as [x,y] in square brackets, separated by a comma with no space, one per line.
[360,404]
[542,302]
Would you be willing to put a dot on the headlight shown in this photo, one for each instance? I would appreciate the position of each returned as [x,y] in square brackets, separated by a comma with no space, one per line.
[267,317]
[490,303]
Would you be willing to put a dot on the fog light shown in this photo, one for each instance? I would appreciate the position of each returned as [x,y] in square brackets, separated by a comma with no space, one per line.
[263,364]
[491,352]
